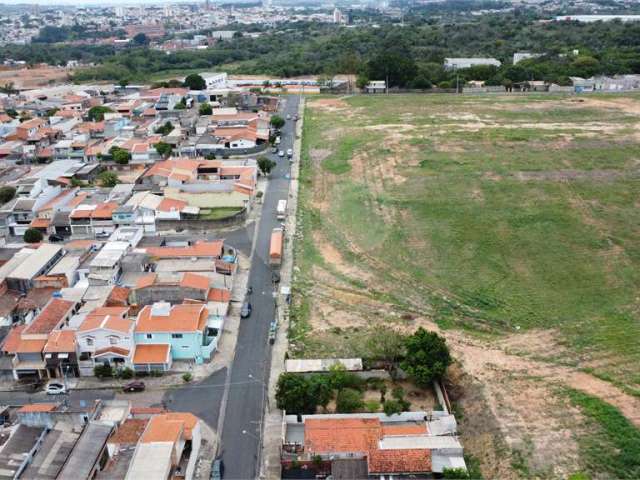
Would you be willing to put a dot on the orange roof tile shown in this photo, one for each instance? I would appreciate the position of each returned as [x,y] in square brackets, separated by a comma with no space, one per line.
[108,322]
[78,199]
[416,429]
[61,341]
[170,204]
[160,429]
[199,249]
[341,435]
[40,223]
[113,311]
[57,199]
[50,316]
[130,431]
[104,210]
[415,460]
[113,351]
[12,340]
[30,346]
[118,296]
[146,280]
[219,295]
[38,407]
[195,281]
[147,410]
[182,318]
[151,353]
[189,421]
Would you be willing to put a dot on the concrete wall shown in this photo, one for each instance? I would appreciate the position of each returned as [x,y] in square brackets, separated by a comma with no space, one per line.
[170,293]
[201,225]
[196,440]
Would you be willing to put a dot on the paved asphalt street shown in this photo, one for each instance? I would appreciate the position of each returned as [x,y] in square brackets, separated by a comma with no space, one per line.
[249,372]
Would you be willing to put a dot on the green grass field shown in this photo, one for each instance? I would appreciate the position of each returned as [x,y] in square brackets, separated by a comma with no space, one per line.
[506,214]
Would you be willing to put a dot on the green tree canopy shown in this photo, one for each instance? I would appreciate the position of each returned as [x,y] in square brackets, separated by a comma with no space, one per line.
[205,109]
[96,114]
[427,357]
[120,155]
[108,179]
[277,121]
[7,193]
[164,149]
[33,235]
[195,82]
[349,400]
[265,164]
[294,395]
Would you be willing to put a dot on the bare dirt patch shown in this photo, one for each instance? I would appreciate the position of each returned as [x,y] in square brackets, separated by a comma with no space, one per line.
[330,104]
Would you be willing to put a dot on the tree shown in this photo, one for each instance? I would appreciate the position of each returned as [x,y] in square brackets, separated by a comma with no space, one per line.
[349,401]
[120,155]
[141,39]
[339,378]
[205,109]
[195,82]
[320,390]
[96,114]
[362,81]
[164,149]
[277,121]
[108,179]
[6,194]
[427,357]
[265,165]
[294,395]
[165,129]
[12,112]
[33,235]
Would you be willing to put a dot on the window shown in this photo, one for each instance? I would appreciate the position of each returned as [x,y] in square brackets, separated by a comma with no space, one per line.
[184,346]
[113,340]
[149,336]
[176,335]
[90,342]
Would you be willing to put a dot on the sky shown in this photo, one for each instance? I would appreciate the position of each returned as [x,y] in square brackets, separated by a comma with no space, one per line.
[103,3]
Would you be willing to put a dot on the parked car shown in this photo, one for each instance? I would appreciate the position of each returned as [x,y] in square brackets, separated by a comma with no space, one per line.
[288,117]
[217,470]
[135,386]
[102,235]
[54,237]
[275,277]
[289,153]
[56,388]
[245,312]
[274,150]
[281,153]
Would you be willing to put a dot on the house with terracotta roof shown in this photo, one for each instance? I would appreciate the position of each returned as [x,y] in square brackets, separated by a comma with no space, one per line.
[105,337]
[183,328]
[28,347]
[371,445]
[60,354]
[168,448]
[91,219]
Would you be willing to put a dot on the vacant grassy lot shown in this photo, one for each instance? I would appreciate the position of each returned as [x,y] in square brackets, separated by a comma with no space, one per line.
[509,222]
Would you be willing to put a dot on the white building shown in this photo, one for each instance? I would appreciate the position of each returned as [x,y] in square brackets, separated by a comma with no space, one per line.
[337,15]
[215,80]
[519,56]
[597,18]
[460,63]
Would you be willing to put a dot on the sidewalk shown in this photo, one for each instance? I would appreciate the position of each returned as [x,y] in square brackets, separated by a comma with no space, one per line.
[272,424]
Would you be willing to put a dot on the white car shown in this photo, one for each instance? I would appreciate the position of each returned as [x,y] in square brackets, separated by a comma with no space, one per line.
[289,153]
[56,388]
[281,153]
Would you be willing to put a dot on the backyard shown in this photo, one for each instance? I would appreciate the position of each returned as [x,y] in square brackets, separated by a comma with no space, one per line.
[510,225]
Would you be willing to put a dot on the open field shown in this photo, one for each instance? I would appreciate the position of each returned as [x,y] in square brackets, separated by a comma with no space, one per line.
[510,224]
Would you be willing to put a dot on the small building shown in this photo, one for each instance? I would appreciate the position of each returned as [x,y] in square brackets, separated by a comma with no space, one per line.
[39,262]
[376,86]
[461,63]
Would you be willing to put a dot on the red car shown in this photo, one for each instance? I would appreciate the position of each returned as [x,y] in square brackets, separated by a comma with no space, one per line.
[135,386]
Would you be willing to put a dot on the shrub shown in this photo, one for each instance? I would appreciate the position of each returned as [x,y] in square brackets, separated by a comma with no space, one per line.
[340,378]
[205,109]
[33,235]
[372,406]
[349,401]
[456,473]
[391,407]
[126,373]
[6,194]
[103,371]
[277,121]
[187,377]
[108,179]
